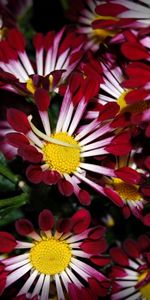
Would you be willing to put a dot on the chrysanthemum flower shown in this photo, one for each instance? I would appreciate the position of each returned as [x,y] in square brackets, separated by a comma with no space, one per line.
[63,256]
[65,155]
[132,95]
[56,57]
[131,275]
[100,19]
[84,14]
[131,194]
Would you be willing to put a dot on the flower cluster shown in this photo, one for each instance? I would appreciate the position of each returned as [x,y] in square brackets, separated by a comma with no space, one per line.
[75,123]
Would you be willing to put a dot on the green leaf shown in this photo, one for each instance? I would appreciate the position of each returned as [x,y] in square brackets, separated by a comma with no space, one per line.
[9,215]
[6,186]
[5,170]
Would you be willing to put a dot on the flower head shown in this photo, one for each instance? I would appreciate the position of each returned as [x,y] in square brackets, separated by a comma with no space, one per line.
[130,273]
[64,155]
[59,256]
[56,57]
[131,94]
[99,20]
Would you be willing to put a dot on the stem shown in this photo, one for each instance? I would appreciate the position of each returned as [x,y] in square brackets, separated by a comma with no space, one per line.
[20,199]
[8,174]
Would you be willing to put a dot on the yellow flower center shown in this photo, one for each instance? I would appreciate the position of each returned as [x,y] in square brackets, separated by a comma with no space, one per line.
[136,108]
[121,101]
[50,256]
[61,158]
[145,290]
[126,191]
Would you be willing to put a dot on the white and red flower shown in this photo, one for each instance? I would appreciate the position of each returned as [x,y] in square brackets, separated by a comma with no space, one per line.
[63,256]
[130,273]
[99,20]
[56,56]
[132,194]
[125,87]
[66,155]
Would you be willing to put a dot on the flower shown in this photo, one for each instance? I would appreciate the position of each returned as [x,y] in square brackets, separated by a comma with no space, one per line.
[131,193]
[99,20]
[84,14]
[56,57]
[130,273]
[64,155]
[63,256]
[132,95]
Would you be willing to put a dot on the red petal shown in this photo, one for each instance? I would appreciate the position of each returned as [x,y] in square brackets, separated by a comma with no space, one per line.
[73,291]
[18,120]
[16,139]
[24,227]
[135,82]
[126,212]
[120,145]
[16,39]
[122,120]
[30,153]
[118,272]
[85,293]
[46,220]
[81,221]
[51,177]
[110,9]
[84,197]
[64,225]
[7,242]
[7,53]
[147,132]
[114,197]
[94,247]
[136,68]
[146,219]
[65,187]
[119,256]
[147,162]
[143,242]
[134,51]
[48,40]
[131,248]
[38,41]
[42,99]
[145,190]
[103,24]
[136,96]
[34,174]
[100,260]
[3,278]
[96,233]
[94,286]
[109,111]
[128,175]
